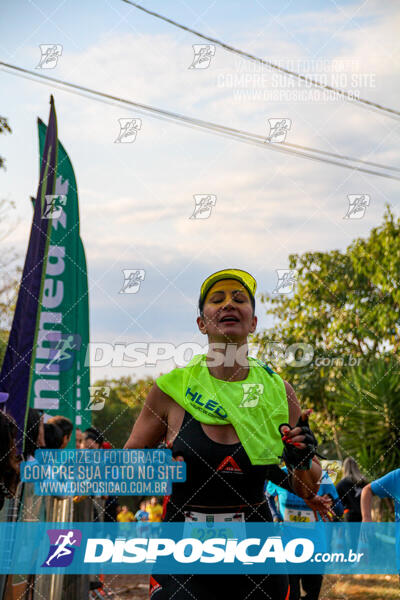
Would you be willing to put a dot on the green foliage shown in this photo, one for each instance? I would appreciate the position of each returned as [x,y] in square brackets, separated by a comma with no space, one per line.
[10,274]
[369,408]
[346,306]
[121,409]
[9,271]
[3,345]
[4,128]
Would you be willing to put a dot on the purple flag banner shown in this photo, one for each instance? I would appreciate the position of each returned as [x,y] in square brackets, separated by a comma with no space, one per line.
[17,369]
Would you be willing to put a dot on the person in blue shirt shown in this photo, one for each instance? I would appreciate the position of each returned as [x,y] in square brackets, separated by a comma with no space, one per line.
[142,514]
[294,510]
[387,486]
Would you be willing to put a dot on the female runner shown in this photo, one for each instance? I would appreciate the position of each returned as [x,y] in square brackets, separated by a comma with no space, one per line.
[221,414]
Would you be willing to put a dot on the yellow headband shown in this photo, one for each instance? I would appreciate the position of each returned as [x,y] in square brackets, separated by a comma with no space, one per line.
[245,279]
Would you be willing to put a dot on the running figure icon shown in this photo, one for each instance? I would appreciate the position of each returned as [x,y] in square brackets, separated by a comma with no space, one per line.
[62,346]
[62,550]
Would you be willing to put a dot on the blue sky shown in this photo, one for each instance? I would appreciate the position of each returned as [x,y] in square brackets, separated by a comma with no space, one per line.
[136,199]
[80,24]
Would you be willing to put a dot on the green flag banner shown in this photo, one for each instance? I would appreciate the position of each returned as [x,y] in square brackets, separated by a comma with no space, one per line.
[60,381]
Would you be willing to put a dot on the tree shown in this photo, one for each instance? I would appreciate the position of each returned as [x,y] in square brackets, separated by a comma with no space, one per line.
[9,269]
[344,311]
[120,412]
[121,408]
[369,414]
[4,128]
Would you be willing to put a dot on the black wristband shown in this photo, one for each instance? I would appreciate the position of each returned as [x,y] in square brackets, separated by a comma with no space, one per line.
[299,458]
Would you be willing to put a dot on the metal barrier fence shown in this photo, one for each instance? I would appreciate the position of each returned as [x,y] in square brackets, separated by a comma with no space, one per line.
[26,506]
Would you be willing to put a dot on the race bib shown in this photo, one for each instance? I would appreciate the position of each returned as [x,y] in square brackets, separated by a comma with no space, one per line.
[213,525]
[194,517]
[293,515]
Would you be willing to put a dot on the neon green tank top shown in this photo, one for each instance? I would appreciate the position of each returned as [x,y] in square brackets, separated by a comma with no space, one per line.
[255,406]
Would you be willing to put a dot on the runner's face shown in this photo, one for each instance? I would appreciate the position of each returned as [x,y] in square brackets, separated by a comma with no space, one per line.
[228,313]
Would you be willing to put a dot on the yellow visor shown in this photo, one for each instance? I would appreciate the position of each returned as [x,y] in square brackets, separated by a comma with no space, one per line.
[245,279]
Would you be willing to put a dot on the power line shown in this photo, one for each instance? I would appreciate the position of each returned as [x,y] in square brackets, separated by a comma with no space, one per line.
[347,95]
[230,132]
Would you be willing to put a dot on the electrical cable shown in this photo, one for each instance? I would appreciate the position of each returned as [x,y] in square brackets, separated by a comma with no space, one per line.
[230,132]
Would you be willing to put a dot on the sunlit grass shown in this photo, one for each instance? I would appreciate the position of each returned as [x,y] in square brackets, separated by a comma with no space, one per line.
[360,587]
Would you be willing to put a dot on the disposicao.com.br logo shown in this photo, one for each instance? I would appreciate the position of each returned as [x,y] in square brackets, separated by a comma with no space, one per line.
[222,546]
[62,547]
[192,550]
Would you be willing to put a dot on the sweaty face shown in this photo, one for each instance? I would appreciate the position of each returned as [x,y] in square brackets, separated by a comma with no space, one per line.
[228,313]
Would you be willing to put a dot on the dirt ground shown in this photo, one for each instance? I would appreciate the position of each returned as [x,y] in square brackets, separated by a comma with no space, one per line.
[360,587]
[335,587]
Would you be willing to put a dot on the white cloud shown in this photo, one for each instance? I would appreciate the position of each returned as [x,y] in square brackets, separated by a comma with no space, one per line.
[136,199]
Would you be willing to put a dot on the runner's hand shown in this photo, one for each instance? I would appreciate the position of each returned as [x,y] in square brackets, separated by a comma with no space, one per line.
[299,442]
[320,505]
[296,435]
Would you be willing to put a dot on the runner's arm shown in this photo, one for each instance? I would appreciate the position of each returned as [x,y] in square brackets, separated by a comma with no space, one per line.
[151,425]
[304,483]
[366,502]
[293,404]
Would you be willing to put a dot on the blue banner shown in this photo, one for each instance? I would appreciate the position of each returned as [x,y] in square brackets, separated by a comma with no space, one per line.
[214,548]
[97,473]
